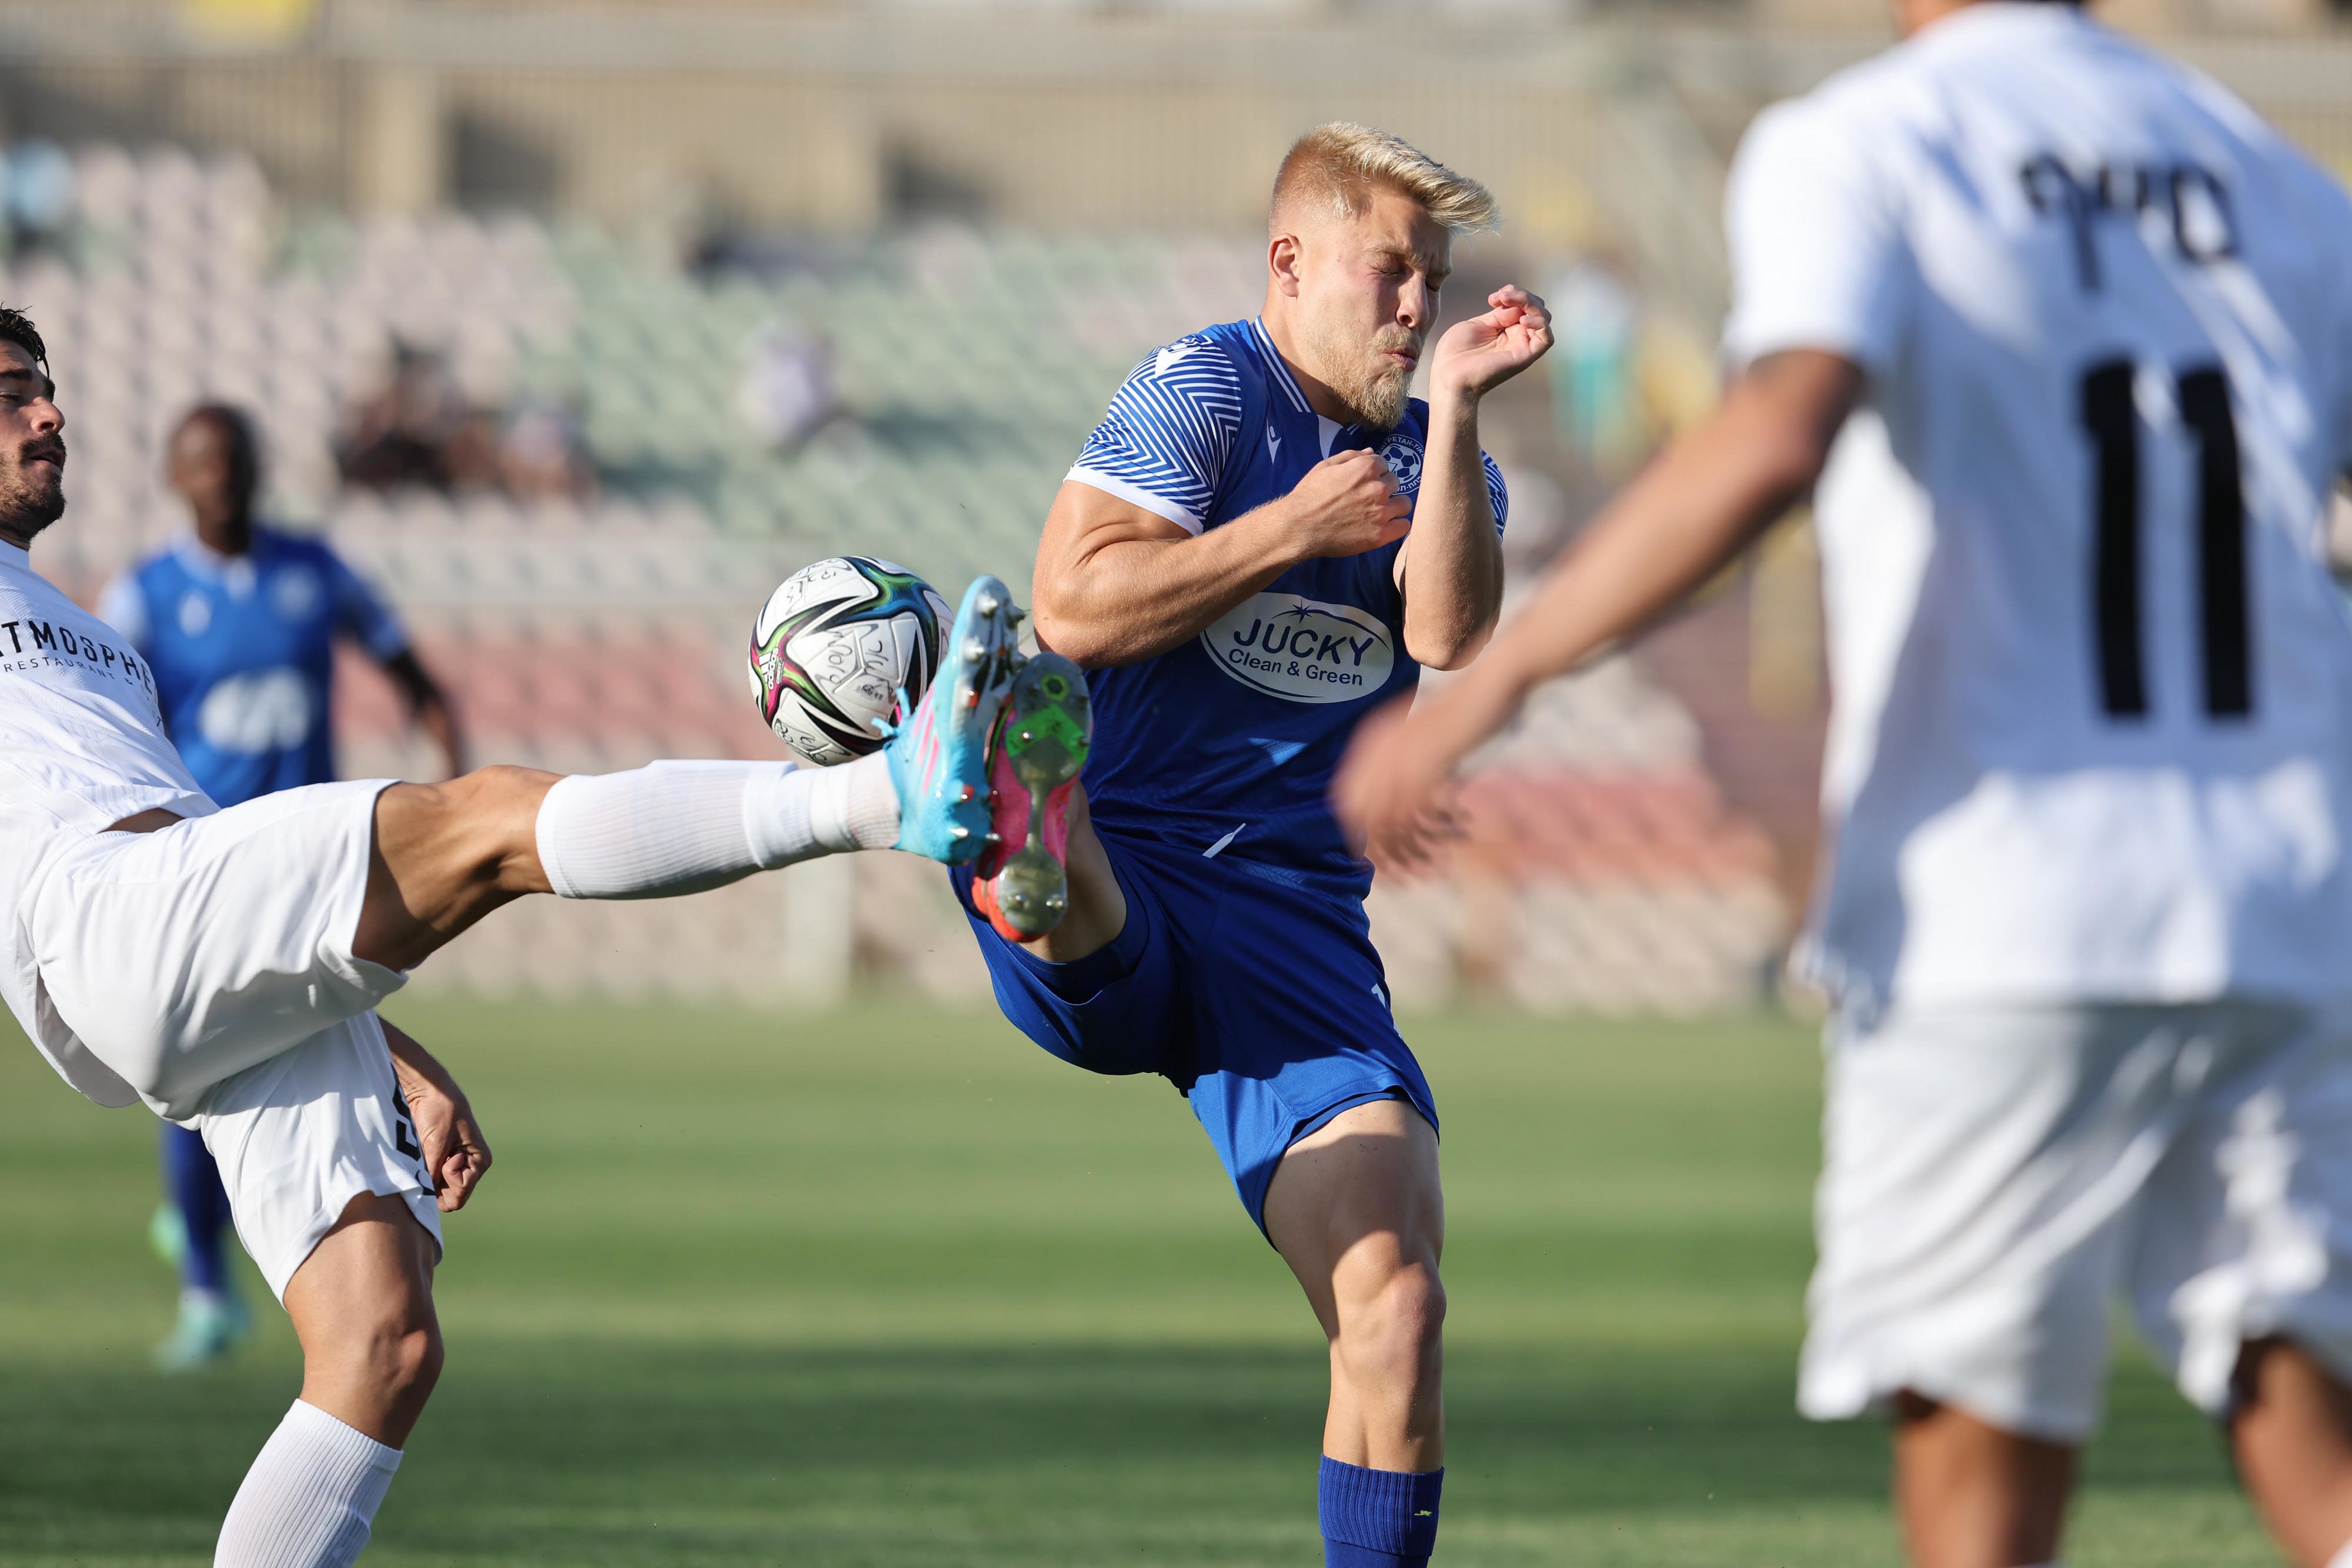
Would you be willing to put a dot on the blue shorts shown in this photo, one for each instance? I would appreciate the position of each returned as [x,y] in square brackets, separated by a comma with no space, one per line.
[1259,997]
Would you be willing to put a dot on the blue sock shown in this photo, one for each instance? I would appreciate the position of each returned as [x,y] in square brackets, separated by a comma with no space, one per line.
[1378,1518]
[193,1182]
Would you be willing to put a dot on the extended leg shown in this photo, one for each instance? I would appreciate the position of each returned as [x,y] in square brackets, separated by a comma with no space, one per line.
[363,1308]
[2293,1434]
[1357,1212]
[1973,1496]
[446,856]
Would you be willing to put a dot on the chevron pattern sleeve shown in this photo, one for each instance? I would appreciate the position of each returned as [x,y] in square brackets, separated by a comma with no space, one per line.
[1169,432]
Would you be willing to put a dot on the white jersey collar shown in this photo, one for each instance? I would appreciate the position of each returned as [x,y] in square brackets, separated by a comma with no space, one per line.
[16,555]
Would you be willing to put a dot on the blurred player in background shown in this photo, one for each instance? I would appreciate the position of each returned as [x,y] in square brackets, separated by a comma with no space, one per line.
[223,964]
[2063,332]
[1264,537]
[239,623]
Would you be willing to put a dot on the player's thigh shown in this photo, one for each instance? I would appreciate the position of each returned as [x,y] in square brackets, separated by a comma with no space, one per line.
[1356,1202]
[2246,1230]
[366,1286]
[300,1137]
[1292,1026]
[187,955]
[1980,1169]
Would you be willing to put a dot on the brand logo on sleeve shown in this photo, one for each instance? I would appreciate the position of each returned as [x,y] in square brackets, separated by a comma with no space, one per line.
[1302,650]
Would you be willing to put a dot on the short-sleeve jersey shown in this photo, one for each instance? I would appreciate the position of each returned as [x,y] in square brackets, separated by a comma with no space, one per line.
[243,651]
[2093,735]
[1227,744]
[81,748]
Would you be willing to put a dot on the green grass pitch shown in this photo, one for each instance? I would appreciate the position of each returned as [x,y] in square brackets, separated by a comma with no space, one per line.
[893,1288]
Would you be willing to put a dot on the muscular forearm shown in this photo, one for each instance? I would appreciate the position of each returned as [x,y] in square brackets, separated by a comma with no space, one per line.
[415,1066]
[1126,600]
[1451,569]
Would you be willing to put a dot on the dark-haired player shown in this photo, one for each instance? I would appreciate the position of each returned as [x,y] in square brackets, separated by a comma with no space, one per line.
[237,621]
[224,964]
[2063,332]
[1265,538]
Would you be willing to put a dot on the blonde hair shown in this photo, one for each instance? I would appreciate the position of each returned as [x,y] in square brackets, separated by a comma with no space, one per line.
[1340,163]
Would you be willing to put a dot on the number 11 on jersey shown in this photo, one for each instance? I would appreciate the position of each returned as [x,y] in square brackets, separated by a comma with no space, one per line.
[2111,416]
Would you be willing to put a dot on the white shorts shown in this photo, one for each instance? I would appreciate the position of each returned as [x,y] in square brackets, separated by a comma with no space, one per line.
[300,1135]
[1994,1180]
[183,957]
[209,964]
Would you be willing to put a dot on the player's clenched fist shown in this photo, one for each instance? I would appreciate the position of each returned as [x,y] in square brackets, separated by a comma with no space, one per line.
[1347,505]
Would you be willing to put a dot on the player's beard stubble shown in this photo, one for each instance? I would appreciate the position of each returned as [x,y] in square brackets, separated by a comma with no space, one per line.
[32,497]
[1361,375]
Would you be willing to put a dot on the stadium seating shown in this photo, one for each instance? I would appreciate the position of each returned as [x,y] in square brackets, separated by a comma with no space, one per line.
[1601,869]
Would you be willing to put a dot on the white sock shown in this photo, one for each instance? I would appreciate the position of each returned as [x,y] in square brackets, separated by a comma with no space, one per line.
[2343,1558]
[683,826]
[309,1497]
[855,806]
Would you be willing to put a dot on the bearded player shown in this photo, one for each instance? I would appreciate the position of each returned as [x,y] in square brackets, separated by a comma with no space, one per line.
[2063,332]
[1264,538]
[224,965]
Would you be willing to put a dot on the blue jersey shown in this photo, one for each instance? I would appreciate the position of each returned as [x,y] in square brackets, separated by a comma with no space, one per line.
[243,651]
[1227,744]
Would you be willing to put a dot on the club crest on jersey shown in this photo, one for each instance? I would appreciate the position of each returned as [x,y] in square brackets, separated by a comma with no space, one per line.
[1302,650]
[1401,453]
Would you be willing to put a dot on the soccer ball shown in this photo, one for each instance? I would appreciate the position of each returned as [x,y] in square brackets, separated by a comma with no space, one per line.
[834,646]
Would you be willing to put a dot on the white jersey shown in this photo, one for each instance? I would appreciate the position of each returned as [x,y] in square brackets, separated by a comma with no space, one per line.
[81,748]
[2093,736]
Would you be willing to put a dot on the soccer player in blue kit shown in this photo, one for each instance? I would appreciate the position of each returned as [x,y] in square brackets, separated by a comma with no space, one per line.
[1264,538]
[238,621]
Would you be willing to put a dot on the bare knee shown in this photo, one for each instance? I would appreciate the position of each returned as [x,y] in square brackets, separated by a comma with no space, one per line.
[1391,1331]
[408,1363]
[378,1373]
[361,1305]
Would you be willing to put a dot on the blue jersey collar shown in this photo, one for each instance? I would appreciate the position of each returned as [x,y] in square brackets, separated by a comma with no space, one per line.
[1328,432]
[1273,365]
[233,572]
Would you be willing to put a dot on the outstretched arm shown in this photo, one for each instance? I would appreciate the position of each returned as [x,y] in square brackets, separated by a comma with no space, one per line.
[1674,526]
[456,1156]
[1117,584]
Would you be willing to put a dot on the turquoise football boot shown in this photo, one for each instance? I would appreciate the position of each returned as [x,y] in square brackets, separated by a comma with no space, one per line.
[939,755]
[210,1327]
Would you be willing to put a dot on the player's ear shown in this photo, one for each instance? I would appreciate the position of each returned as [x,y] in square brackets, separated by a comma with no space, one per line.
[1282,256]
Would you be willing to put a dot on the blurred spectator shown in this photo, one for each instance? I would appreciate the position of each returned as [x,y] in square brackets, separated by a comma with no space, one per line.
[1592,375]
[412,432]
[419,430]
[787,393]
[39,191]
[543,454]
